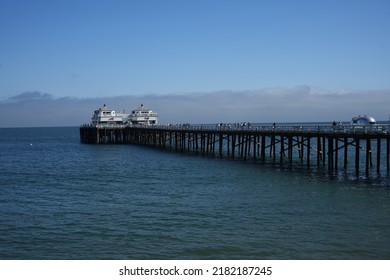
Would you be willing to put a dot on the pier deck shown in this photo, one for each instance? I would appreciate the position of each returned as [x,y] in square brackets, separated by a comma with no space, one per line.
[362,149]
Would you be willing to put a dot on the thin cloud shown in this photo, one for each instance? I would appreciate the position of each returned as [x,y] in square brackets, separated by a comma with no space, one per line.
[30,96]
[298,104]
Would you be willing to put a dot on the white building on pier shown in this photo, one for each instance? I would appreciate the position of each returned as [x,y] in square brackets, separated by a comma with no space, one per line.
[143,116]
[105,116]
[108,117]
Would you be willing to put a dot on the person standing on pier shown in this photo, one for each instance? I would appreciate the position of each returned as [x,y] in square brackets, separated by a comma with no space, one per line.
[334,125]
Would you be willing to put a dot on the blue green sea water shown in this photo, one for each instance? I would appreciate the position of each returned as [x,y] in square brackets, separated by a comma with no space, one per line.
[60,199]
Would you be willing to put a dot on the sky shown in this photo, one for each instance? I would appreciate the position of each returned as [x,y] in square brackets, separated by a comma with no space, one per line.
[194,60]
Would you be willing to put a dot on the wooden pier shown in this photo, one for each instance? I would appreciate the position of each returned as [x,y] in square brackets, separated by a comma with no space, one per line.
[364,149]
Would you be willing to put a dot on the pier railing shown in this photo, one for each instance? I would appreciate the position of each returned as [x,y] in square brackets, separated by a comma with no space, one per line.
[381,128]
[281,128]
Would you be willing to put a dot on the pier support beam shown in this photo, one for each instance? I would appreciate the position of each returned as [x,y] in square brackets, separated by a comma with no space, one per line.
[308,153]
[357,155]
[330,154]
[378,155]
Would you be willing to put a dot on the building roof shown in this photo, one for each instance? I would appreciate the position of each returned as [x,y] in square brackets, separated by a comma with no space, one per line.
[105,108]
[142,108]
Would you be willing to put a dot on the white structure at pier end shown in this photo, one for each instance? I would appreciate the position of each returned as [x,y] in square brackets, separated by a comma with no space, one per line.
[143,116]
[108,117]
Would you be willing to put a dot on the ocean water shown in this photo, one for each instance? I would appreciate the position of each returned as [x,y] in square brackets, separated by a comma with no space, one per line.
[60,199]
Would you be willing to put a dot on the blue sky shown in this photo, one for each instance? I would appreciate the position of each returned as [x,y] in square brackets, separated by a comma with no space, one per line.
[97,49]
